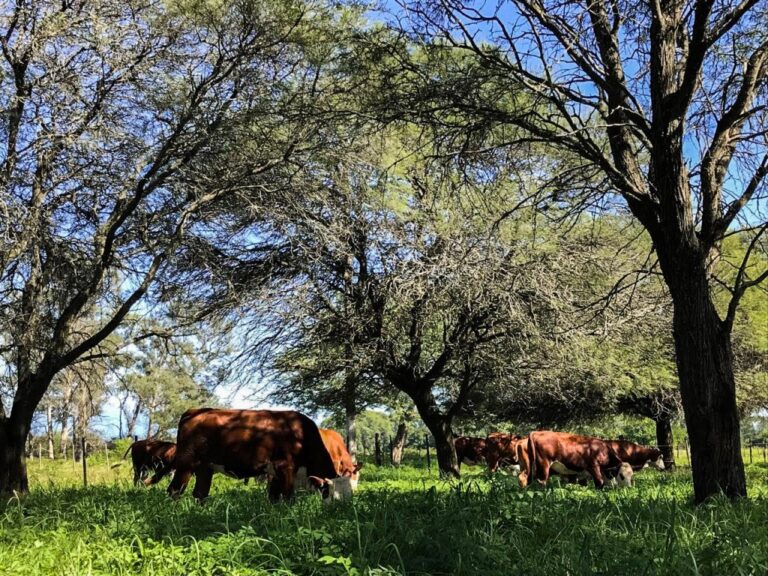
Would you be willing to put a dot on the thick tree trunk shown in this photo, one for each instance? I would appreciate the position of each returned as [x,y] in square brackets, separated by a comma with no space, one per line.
[350,413]
[447,460]
[707,388]
[13,462]
[399,444]
[665,441]
[49,431]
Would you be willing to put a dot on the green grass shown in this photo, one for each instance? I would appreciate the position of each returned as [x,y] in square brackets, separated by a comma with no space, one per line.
[400,522]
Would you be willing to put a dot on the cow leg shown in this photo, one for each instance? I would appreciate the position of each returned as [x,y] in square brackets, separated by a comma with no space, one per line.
[597,475]
[136,476]
[203,478]
[159,475]
[281,485]
[179,482]
[542,471]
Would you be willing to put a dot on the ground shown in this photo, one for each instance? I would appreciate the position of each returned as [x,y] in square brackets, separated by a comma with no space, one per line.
[402,521]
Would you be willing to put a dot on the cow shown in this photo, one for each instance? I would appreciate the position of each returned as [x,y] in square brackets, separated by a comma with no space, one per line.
[636,455]
[506,449]
[250,443]
[569,455]
[151,456]
[342,461]
[470,451]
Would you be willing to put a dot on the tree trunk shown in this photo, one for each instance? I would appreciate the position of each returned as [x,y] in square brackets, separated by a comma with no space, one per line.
[149,425]
[665,441]
[131,424]
[707,388]
[447,460]
[64,422]
[49,430]
[13,462]
[399,444]
[76,446]
[351,418]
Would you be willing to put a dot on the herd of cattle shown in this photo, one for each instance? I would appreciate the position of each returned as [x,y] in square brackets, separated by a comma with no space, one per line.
[292,453]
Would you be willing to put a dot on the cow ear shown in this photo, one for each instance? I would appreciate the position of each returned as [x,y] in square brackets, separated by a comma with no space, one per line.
[317,482]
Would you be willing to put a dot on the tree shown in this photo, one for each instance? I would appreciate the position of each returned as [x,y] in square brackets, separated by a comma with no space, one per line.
[662,104]
[165,381]
[110,110]
[403,286]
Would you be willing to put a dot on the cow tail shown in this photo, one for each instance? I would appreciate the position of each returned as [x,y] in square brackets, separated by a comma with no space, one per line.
[127,451]
[531,458]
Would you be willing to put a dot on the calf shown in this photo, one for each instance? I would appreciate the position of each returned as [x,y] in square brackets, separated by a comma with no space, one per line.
[636,455]
[507,450]
[569,454]
[470,451]
[151,456]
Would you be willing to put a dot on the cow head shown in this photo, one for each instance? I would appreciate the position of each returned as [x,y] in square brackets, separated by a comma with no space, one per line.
[332,489]
[657,460]
[354,478]
[624,475]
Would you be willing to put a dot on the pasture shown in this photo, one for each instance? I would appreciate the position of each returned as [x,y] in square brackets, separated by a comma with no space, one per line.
[401,521]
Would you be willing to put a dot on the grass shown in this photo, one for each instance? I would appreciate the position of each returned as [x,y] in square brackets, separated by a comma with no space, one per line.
[402,521]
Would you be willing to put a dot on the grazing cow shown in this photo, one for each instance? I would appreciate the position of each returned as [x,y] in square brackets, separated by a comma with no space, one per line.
[151,456]
[342,461]
[569,455]
[507,450]
[470,451]
[636,455]
[250,443]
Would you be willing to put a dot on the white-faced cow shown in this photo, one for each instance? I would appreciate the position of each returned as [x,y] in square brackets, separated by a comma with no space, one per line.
[250,443]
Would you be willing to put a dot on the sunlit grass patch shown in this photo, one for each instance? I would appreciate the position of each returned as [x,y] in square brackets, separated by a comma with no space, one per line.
[401,521]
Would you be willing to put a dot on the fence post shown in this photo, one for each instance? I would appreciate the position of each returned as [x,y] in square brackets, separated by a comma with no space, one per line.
[377,448]
[85,466]
[426,444]
[764,443]
[390,450]
[106,453]
[750,452]
[687,454]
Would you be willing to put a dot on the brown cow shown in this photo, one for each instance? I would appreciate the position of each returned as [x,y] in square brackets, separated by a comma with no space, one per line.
[508,449]
[250,443]
[569,454]
[636,455]
[470,451]
[151,456]
[342,461]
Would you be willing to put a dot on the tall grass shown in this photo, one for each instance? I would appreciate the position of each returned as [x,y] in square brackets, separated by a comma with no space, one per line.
[401,521]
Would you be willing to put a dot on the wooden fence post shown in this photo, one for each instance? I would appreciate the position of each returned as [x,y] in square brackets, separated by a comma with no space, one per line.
[750,452]
[391,460]
[85,466]
[426,444]
[764,443]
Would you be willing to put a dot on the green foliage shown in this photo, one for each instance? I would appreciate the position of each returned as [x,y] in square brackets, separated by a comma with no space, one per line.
[402,521]
[370,422]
